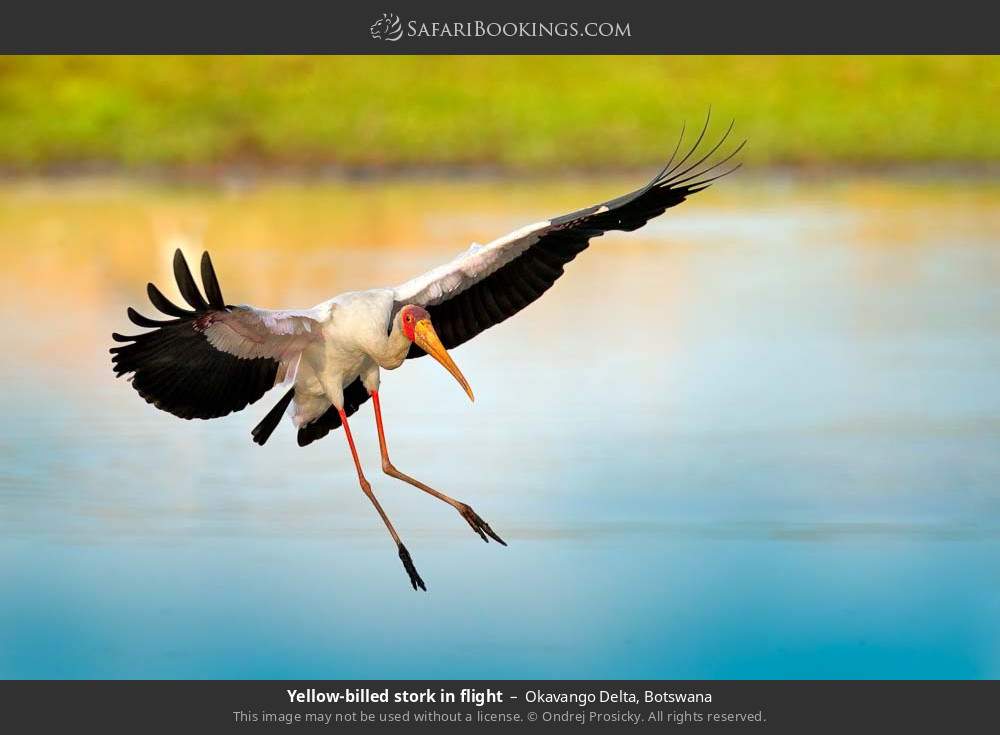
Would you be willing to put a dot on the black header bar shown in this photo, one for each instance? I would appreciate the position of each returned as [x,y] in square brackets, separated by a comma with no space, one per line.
[511,27]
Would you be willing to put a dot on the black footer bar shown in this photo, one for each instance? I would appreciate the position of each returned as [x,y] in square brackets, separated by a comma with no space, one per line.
[459,706]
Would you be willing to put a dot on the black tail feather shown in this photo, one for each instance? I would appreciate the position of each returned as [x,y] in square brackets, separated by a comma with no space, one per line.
[262,431]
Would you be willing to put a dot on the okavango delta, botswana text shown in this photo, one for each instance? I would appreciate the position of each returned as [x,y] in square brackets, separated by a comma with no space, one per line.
[537,696]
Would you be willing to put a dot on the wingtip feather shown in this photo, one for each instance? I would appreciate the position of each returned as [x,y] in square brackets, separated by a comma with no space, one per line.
[211,282]
[186,284]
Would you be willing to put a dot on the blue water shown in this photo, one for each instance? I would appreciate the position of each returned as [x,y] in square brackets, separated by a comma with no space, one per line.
[759,440]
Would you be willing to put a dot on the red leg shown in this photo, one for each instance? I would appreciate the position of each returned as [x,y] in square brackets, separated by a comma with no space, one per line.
[366,487]
[472,518]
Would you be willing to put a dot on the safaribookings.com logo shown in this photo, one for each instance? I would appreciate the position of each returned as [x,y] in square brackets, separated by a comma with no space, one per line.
[387,28]
[390,28]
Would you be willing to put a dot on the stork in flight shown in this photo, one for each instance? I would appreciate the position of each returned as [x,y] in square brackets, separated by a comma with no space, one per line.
[213,358]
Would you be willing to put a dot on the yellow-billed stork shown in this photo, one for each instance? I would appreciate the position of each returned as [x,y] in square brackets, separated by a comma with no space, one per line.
[213,358]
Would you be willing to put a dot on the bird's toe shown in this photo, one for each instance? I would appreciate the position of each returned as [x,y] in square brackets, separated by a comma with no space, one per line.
[479,525]
[411,570]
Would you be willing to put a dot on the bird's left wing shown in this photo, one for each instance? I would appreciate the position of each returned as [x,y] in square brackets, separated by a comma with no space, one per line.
[211,359]
[489,283]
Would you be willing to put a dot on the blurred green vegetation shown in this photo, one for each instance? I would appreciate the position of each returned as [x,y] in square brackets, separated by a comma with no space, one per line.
[521,112]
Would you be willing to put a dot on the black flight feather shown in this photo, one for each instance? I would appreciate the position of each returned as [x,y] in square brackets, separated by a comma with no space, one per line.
[186,285]
[211,283]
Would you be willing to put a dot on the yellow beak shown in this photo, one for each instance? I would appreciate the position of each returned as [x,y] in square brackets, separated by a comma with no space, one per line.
[427,339]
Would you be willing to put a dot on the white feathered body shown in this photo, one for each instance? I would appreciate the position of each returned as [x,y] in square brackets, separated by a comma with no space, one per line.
[355,342]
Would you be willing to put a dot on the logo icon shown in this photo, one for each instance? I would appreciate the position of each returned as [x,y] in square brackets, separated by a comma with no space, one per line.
[387,28]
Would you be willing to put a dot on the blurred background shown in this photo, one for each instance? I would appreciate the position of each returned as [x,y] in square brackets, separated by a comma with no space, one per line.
[781,461]
[532,113]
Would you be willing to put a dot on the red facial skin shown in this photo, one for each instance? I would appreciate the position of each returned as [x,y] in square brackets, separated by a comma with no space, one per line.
[409,316]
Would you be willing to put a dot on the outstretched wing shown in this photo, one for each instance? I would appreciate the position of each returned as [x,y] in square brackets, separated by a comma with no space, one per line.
[490,283]
[212,359]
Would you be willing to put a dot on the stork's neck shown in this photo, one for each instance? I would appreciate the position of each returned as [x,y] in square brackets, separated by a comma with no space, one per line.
[393,350]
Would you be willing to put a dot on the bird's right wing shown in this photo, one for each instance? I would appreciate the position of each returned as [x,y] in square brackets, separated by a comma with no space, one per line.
[212,359]
[490,283]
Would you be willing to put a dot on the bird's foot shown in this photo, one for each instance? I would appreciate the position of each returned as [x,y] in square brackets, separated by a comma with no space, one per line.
[479,525]
[415,579]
